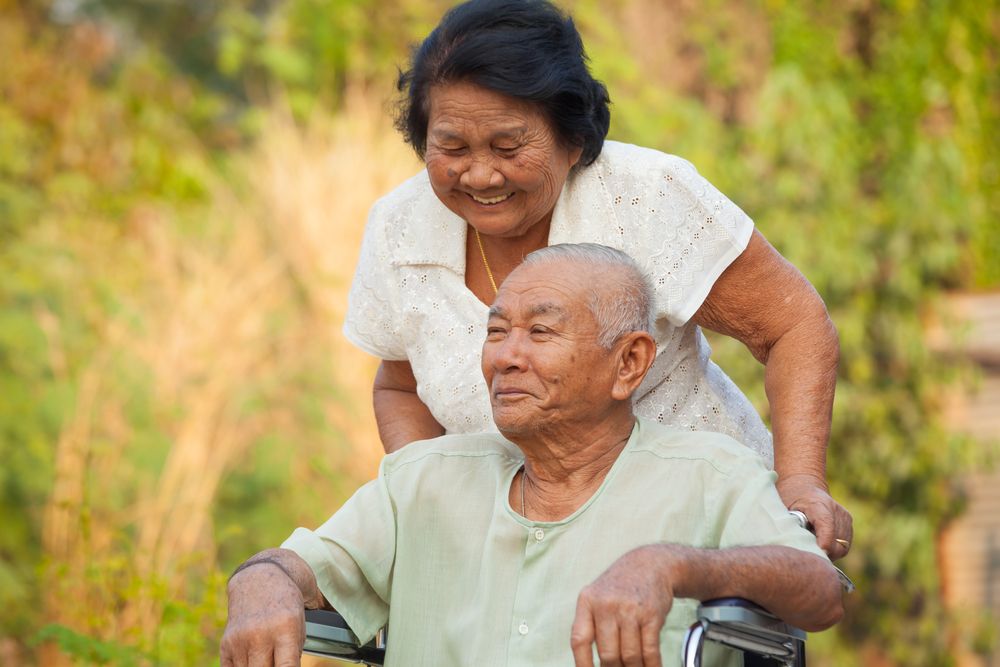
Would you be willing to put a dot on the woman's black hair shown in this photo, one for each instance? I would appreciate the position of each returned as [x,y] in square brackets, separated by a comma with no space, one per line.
[527,49]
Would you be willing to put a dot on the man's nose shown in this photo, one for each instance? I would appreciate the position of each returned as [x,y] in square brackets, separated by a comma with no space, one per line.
[510,355]
[482,174]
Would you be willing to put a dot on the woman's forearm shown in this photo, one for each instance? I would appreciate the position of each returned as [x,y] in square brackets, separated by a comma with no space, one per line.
[800,379]
[401,416]
[764,302]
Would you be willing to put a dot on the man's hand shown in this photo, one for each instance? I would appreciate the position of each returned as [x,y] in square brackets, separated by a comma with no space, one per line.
[267,597]
[623,611]
[832,524]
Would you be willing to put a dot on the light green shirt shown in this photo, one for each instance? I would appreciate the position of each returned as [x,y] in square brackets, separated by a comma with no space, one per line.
[433,547]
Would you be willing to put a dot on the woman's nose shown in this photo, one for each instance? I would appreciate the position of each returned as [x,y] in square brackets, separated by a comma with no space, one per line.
[481,175]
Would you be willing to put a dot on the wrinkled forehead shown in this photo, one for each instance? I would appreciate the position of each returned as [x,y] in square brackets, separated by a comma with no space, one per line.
[554,290]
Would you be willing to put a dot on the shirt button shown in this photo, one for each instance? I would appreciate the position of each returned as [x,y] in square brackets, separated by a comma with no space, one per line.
[539,534]
[523,629]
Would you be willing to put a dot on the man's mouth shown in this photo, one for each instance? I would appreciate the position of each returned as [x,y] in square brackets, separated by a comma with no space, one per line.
[491,200]
[508,391]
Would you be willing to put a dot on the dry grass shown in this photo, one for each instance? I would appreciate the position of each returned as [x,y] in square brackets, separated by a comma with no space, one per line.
[200,327]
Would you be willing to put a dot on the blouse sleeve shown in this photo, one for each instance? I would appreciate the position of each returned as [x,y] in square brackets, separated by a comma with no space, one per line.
[373,320]
[688,231]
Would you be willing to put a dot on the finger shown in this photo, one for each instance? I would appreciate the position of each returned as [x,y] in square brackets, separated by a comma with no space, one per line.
[845,524]
[261,655]
[232,652]
[630,643]
[607,633]
[651,643]
[844,533]
[287,652]
[582,636]
[225,657]
[824,527]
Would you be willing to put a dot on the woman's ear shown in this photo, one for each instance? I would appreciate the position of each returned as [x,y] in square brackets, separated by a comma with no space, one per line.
[635,352]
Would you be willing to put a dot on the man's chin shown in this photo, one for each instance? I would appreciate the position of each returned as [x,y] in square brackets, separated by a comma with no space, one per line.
[513,426]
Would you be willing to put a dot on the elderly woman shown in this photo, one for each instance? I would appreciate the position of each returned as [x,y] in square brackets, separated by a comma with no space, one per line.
[500,104]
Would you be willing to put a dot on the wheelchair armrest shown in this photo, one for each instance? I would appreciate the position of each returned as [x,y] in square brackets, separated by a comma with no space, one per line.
[745,626]
[328,636]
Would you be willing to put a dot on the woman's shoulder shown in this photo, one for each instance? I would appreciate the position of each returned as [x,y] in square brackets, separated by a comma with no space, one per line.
[402,198]
[621,158]
[414,223]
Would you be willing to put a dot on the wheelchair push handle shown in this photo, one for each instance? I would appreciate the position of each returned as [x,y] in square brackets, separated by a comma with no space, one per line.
[845,581]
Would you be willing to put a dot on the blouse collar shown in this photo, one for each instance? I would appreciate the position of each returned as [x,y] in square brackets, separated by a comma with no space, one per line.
[431,234]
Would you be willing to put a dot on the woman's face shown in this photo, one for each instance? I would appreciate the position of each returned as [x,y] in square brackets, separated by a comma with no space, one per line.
[494,160]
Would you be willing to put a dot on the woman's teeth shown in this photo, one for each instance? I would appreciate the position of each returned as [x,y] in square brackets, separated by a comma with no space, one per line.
[493,200]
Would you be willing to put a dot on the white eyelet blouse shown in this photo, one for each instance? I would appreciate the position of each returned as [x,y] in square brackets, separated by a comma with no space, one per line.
[409,301]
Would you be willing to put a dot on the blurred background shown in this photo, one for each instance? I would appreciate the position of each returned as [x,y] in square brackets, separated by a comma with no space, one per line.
[183,189]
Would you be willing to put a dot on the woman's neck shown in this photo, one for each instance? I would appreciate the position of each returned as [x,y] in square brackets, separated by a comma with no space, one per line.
[502,255]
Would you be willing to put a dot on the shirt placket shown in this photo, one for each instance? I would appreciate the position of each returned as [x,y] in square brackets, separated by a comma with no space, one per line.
[529,638]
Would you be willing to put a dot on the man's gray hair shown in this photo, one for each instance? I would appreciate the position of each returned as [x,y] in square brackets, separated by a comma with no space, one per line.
[621,306]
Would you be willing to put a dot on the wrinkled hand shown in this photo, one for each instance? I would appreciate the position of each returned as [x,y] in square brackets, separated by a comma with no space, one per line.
[266,625]
[829,520]
[623,610]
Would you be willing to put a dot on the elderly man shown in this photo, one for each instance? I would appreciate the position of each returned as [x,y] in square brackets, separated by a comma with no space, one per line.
[580,526]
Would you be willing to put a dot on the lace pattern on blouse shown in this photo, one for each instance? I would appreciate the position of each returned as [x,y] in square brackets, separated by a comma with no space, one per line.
[409,299]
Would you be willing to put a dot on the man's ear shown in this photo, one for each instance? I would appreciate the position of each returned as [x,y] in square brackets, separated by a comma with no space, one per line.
[635,353]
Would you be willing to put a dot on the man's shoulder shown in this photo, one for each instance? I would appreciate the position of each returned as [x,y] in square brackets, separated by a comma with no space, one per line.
[473,449]
[722,452]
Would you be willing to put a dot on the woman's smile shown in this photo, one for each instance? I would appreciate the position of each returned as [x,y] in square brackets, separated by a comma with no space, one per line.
[493,160]
[491,201]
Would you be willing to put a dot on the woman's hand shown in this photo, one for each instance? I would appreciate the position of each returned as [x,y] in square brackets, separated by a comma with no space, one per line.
[401,416]
[832,524]
[764,302]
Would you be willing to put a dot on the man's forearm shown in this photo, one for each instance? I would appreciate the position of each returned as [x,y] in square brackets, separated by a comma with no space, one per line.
[293,567]
[798,587]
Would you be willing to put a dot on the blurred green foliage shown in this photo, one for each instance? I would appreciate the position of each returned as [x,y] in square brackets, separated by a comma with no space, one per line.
[869,159]
[862,137]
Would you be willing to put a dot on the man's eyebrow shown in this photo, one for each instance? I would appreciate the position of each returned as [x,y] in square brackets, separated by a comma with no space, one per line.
[536,309]
[548,308]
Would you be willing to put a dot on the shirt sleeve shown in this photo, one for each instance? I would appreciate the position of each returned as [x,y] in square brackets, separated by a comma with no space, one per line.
[373,320]
[352,556]
[693,233]
[757,517]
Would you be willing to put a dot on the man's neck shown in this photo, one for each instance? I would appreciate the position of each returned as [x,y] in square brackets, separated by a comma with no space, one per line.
[564,468]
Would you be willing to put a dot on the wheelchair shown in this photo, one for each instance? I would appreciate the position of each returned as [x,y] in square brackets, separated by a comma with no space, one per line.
[763,638]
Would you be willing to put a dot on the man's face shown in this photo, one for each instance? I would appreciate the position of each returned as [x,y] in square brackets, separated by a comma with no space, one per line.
[541,359]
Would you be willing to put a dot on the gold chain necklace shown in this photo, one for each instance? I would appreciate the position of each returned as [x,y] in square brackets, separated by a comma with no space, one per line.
[488,272]
[524,473]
